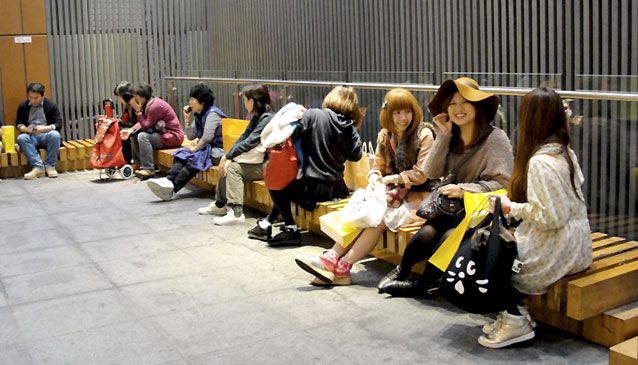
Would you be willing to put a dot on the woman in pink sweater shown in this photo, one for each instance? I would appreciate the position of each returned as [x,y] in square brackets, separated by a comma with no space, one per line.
[158,128]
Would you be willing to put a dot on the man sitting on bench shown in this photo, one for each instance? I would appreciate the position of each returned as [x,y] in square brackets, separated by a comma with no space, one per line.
[39,120]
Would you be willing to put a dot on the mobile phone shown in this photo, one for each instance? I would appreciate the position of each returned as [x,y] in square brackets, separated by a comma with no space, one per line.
[127,97]
[188,109]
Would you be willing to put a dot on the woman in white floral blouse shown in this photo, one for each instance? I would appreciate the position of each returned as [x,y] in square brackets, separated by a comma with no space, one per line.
[545,191]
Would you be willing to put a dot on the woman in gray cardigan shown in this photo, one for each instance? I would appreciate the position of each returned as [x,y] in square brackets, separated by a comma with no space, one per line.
[463,114]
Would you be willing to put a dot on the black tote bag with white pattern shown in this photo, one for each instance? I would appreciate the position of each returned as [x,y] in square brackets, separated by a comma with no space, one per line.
[479,276]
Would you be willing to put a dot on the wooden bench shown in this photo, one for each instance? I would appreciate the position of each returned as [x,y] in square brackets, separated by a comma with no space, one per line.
[73,156]
[625,353]
[600,304]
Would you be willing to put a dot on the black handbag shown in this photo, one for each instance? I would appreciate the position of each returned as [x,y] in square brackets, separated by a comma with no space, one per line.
[478,278]
[438,205]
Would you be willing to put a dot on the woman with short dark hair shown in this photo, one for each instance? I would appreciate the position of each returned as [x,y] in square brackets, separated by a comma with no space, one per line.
[157,125]
[205,148]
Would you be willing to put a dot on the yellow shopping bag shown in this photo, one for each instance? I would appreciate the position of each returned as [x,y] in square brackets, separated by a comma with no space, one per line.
[475,211]
[9,138]
[341,233]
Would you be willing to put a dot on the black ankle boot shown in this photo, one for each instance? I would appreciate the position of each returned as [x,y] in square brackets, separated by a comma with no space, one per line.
[395,274]
[404,288]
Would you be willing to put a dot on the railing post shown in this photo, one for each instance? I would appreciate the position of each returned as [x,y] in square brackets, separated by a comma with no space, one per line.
[172,99]
[237,97]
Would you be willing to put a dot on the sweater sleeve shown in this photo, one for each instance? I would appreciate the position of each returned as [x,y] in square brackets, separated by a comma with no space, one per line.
[213,120]
[154,113]
[251,140]
[416,176]
[545,196]
[191,131]
[353,152]
[437,157]
[499,163]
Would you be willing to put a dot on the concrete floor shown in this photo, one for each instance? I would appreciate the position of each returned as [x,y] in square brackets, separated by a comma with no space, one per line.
[101,272]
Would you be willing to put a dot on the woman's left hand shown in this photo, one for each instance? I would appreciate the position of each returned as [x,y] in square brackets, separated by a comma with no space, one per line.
[506,203]
[452,191]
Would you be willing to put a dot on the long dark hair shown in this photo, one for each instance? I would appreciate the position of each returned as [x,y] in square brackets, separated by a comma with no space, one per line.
[541,120]
[260,96]
[481,126]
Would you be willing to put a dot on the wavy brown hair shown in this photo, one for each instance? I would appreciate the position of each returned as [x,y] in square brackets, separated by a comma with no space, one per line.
[541,120]
[345,101]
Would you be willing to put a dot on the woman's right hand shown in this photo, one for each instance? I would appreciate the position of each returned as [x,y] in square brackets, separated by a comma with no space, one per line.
[187,115]
[373,179]
[443,122]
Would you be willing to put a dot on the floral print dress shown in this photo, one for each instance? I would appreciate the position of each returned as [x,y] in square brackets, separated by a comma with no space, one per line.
[554,238]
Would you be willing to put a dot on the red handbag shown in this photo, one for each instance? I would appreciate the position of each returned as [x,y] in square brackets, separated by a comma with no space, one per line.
[282,166]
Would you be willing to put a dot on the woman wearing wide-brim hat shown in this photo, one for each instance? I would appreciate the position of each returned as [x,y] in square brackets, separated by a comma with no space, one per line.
[463,114]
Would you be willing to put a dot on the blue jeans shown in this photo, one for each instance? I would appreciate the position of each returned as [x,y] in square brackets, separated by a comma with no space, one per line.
[29,145]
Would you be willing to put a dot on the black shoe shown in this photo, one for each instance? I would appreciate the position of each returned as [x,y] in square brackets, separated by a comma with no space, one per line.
[258,233]
[406,289]
[287,237]
[394,274]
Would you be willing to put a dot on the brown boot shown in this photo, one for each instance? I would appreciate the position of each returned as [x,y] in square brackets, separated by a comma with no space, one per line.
[145,174]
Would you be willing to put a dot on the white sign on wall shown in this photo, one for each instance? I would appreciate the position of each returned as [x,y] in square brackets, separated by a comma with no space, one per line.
[22,39]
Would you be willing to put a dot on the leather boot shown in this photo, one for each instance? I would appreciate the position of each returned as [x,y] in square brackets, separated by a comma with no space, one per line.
[404,288]
[395,274]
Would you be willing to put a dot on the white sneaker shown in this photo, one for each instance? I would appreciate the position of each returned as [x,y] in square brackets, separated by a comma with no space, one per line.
[491,327]
[229,218]
[212,209]
[513,329]
[162,187]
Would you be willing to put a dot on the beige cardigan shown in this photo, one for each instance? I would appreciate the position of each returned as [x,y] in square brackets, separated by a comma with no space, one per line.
[489,169]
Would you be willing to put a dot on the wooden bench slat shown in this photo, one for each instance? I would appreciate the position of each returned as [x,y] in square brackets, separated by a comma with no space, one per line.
[613,326]
[625,353]
[600,292]
[602,243]
[614,250]
[597,235]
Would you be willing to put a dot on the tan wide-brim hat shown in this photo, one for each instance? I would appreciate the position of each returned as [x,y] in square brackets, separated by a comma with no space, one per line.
[469,89]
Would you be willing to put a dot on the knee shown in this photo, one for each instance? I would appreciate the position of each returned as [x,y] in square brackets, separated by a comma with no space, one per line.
[24,138]
[234,169]
[54,136]
[142,137]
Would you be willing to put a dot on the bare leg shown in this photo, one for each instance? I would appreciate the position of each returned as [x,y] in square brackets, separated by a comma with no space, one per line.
[361,246]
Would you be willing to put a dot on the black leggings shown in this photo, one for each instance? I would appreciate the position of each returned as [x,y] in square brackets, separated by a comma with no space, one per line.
[423,245]
[306,192]
[180,174]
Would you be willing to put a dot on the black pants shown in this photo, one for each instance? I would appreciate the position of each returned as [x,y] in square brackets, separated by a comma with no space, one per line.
[423,245]
[306,192]
[180,174]
[126,150]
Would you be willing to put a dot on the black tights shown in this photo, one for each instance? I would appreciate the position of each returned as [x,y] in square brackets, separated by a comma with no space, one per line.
[281,205]
[422,246]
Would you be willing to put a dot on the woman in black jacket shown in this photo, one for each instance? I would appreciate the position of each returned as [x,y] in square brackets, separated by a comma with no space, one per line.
[329,137]
[243,162]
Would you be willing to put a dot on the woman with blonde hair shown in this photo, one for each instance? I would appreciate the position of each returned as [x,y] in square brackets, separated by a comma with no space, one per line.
[402,148]
[329,137]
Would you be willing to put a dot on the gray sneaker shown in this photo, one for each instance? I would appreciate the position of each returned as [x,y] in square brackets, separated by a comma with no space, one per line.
[162,188]
[512,329]
[34,174]
[212,209]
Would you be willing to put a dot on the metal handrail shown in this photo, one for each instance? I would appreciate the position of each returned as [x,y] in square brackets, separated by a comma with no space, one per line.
[498,90]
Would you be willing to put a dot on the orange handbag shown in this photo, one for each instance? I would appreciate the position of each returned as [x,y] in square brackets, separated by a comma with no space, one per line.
[282,166]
